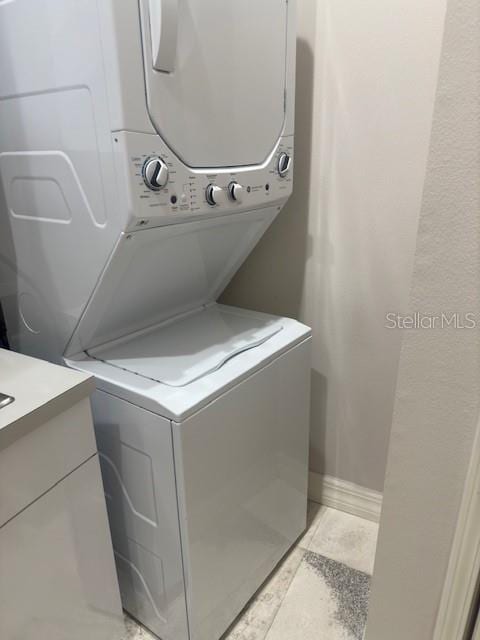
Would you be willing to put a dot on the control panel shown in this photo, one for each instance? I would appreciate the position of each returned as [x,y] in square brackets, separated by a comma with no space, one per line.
[160,189]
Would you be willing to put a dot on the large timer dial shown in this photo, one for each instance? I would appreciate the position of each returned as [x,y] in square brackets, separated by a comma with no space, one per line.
[155,173]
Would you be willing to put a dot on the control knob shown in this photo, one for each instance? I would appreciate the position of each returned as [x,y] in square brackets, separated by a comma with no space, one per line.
[235,191]
[283,164]
[155,173]
[215,195]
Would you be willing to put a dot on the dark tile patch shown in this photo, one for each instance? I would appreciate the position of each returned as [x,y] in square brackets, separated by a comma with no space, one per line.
[350,587]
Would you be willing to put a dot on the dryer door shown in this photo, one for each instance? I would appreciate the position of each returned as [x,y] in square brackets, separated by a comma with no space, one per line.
[215,77]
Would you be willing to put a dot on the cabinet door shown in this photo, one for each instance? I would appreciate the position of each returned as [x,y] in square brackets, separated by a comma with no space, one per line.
[57,575]
[215,77]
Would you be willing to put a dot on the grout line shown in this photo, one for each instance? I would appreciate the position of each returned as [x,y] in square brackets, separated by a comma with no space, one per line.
[297,546]
[311,530]
[304,549]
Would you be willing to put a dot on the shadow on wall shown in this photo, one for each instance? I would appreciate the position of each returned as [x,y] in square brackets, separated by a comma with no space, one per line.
[318,420]
[272,278]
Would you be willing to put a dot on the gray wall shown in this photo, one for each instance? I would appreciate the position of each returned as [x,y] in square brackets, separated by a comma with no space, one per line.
[437,397]
[340,255]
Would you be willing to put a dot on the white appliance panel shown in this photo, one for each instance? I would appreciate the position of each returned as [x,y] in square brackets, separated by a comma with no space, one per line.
[46,226]
[138,472]
[160,273]
[216,77]
[57,188]
[241,468]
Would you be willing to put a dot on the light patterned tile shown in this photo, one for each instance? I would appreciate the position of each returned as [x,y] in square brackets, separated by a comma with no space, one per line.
[134,631]
[345,538]
[326,601]
[255,620]
[310,587]
[315,513]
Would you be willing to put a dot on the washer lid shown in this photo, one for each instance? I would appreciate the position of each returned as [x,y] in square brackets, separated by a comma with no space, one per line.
[177,403]
[215,75]
[186,349]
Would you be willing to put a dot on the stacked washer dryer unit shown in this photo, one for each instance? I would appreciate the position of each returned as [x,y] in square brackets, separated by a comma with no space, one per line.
[145,147]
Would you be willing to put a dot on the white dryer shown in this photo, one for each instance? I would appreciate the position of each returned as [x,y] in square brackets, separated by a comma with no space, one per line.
[145,147]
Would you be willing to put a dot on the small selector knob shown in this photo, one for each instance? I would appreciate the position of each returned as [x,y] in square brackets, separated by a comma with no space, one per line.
[235,191]
[283,164]
[215,195]
[155,173]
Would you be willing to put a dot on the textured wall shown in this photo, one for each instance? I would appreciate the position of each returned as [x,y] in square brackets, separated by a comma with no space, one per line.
[437,397]
[340,255]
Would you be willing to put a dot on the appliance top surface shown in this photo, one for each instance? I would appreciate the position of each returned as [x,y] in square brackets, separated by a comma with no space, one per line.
[182,365]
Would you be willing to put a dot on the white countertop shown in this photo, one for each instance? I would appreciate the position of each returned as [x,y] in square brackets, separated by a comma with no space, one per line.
[41,391]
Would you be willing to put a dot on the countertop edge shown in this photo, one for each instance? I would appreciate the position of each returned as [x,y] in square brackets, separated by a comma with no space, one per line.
[53,407]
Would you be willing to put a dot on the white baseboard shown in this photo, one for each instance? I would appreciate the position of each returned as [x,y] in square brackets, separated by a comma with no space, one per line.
[345,496]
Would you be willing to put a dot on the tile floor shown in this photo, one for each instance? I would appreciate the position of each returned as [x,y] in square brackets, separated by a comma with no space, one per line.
[319,591]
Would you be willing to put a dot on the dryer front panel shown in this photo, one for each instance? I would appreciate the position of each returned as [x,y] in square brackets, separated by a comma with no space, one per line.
[216,77]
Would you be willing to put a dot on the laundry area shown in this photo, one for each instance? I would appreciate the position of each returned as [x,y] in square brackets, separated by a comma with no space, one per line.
[224,229]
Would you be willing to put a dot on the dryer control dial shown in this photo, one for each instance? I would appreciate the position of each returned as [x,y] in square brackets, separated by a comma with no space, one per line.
[215,195]
[235,191]
[283,164]
[155,173]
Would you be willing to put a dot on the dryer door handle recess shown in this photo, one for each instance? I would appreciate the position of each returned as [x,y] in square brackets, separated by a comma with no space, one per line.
[163,30]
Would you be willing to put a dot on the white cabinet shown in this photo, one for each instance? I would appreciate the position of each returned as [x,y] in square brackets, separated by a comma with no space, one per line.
[57,575]
[57,579]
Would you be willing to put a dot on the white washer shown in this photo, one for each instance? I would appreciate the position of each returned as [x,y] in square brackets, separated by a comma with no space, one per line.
[145,147]
[202,427]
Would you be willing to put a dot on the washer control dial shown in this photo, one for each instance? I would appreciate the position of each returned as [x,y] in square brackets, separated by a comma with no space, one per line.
[155,173]
[215,195]
[236,191]
[283,164]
